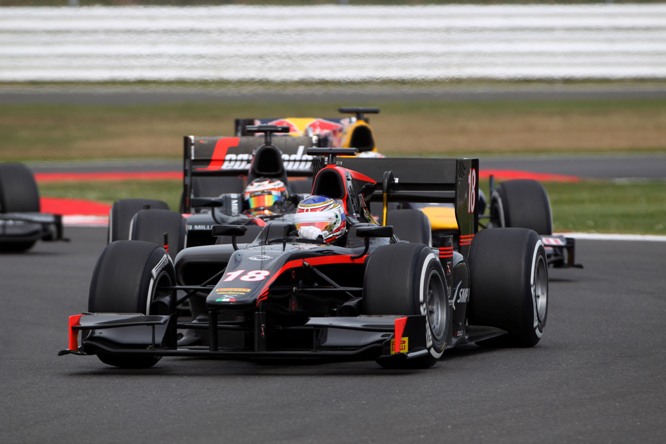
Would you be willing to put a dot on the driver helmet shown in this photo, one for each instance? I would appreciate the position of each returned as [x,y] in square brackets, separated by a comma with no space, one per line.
[322,215]
[261,196]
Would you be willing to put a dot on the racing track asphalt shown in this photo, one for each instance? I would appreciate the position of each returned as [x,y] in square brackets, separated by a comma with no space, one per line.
[132,94]
[597,376]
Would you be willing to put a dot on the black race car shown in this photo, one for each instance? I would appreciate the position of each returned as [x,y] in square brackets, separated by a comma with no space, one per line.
[382,294]
[216,171]
[221,167]
[22,223]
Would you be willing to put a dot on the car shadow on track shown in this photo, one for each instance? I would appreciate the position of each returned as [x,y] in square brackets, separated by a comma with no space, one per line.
[187,366]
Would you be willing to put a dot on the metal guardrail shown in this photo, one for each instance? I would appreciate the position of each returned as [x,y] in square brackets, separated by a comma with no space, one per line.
[333,43]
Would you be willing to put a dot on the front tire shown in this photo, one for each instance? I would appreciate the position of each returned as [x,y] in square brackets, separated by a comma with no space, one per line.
[509,285]
[408,279]
[411,225]
[132,277]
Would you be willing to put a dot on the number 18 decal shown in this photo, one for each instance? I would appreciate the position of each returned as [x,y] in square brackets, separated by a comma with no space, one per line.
[471,191]
[249,276]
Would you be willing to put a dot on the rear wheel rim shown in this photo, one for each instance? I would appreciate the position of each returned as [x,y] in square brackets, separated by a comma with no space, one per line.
[436,305]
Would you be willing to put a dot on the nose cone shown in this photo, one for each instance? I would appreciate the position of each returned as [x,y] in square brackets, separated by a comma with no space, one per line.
[244,280]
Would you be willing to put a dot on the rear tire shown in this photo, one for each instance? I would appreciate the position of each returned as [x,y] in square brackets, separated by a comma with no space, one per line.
[411,226]
[131,277]
[151,225]
[18,194]
[123,211]
[18,189]
[509,285]
[408,279]
[521,203]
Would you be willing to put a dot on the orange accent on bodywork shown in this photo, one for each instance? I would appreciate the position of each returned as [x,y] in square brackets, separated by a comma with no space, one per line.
[399,328]
[466,239]
[445,252]
[361,177]
[441,218]
[73,335]
[220,153]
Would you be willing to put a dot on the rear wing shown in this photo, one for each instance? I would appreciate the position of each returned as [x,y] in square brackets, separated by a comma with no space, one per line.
[436,180]
[298,125]
[341,131]
[214,165]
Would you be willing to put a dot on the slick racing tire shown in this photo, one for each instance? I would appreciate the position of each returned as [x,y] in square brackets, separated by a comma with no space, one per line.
[132,277]
[18,189]
[521,203]
[122,212]
[18,194]
[151,226]
[411,226]
[509,285]
[408,279]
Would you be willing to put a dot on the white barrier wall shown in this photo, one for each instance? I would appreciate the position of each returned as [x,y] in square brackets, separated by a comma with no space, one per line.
[334,42]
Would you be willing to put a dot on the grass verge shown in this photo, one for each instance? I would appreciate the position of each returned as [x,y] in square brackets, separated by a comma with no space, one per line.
[37,132]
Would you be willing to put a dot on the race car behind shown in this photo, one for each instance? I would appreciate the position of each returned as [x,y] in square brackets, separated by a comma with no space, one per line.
[22,223]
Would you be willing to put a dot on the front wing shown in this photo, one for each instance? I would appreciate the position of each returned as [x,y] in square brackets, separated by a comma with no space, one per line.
[22,227]
[333,338]
[560,250]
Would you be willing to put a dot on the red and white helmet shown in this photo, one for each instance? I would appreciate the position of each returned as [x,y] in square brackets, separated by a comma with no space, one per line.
[321,215]
[261,195]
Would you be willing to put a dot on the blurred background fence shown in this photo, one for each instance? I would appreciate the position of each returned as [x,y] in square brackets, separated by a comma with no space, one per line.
[333,43]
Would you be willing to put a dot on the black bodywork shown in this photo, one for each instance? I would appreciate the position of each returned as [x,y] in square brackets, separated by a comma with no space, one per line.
[282,296]
[27,228]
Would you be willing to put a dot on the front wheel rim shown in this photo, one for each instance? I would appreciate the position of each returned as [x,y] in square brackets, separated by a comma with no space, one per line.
[540,290]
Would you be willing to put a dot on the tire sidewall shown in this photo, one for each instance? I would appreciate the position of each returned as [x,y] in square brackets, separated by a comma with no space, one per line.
[396,283]
[430,268]
[127,276]
[538,263]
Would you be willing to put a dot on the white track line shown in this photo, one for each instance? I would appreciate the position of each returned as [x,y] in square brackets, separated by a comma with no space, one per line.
[616,237]
[85,221]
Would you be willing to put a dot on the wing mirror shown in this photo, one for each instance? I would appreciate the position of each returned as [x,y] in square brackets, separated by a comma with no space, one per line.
[229,230]
[371,231]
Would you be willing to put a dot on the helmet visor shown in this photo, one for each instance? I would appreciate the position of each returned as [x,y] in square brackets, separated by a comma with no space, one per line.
[324,220]
[263,200]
